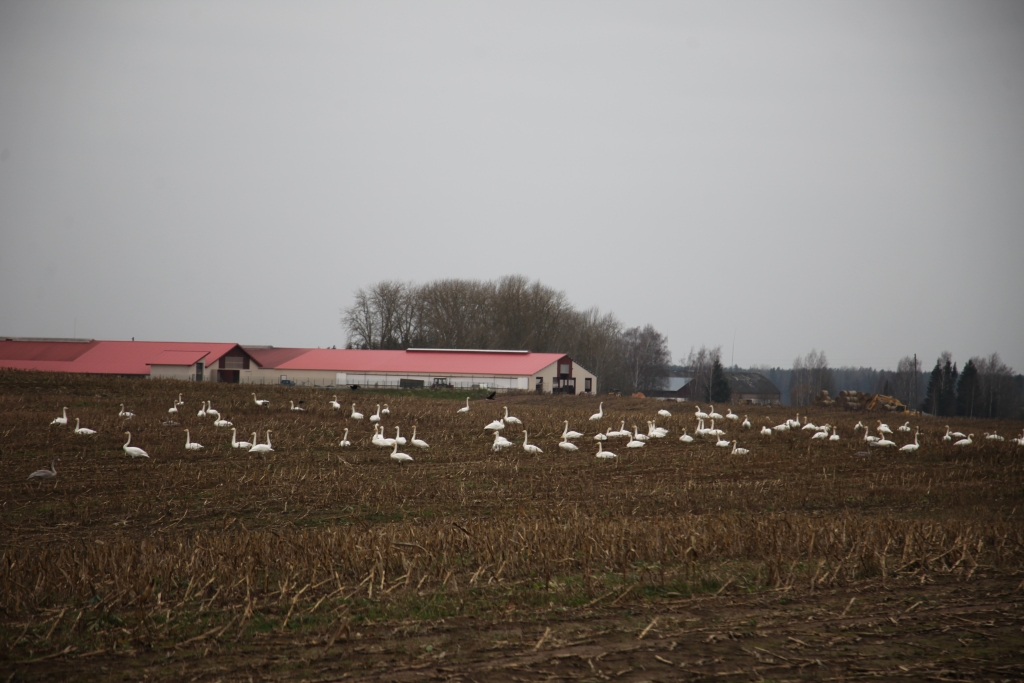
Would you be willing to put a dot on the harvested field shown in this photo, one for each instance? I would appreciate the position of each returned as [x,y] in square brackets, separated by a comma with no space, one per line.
[801,560]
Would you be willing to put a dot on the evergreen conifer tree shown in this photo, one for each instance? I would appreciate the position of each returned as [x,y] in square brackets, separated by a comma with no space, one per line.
[931,397]
[966,390]
[720,390]
[947,401]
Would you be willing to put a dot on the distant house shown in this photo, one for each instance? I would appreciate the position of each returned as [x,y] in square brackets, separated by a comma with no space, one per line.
[751,388]
[672,390]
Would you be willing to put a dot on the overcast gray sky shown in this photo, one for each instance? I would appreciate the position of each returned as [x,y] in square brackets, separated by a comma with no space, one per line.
[847,176]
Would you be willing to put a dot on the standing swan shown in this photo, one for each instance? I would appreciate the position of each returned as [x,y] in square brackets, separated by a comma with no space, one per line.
[376,417]
[235,443]
[911,447]
[124,414]
[63,420]
[600,412]
[569,434]
[345,443]
[261,402]
[529,447]
[334,403]
[418,443]
[739,451]
[193,446]
[295,408]
[45,473]
[355,415]
[262,447]
[464,409]
[132,450]
[400,457]
[511,419]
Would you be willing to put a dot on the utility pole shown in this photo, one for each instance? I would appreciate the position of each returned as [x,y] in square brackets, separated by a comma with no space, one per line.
[916,380]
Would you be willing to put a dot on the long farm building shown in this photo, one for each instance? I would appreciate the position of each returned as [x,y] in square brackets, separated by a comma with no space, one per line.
[227,362]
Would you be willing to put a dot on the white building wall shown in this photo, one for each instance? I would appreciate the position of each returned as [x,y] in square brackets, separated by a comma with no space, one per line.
[185,372]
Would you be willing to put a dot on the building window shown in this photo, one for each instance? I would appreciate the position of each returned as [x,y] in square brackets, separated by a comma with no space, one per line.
[199,371]
[540,384]
[587,385]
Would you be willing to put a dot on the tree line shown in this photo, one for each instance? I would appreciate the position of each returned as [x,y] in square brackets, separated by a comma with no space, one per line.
[510,313]
[986,387]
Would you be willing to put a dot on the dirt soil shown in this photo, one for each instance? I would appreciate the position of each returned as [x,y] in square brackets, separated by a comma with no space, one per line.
[940,630]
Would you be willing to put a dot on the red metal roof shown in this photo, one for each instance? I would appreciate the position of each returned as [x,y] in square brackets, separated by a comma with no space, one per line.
[178,358]
[271,357]
[426,362]
[100,357]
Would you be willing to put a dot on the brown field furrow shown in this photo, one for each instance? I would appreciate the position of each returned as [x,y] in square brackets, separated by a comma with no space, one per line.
[319,562]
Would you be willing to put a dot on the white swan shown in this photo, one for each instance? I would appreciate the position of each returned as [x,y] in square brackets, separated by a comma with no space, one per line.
[713,415]
[569,434]
[63,420]
[511,419]
[376,416]
[784,427]
[988,437]
[656,431]
[262,402]
[637,436]
[622,430]
[464,409]
[566,446]
[45,473]
[399,439]
[664,413]
[603,436]
[686,438]
[220,422]
[883,428]
[729,415]
[124,414]
[132,450]
[386,410]
[739,451]
[191,445]
[496,425]
[499,442]
[820,435]
[911,447]
[633,442]
[882,443]
[400,457]
[345,443]
[834,436]
[529,447]
[603,454]
[868,438]
[210,410]
[905,427]
[746,423]
[418,443]
[173,409]
[700,414]
[967,441]
[385,442]
[202,410]
[355,415]
[262,447]
[334,402]
[235,443]
[722,443]
[600,412]
[84,431]
[294,408]
[766,431]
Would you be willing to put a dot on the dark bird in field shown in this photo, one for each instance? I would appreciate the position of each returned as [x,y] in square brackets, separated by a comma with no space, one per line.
[353,387]
[490,397]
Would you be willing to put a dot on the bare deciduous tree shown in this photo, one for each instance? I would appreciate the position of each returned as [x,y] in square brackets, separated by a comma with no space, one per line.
[699,365]
[811,374]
